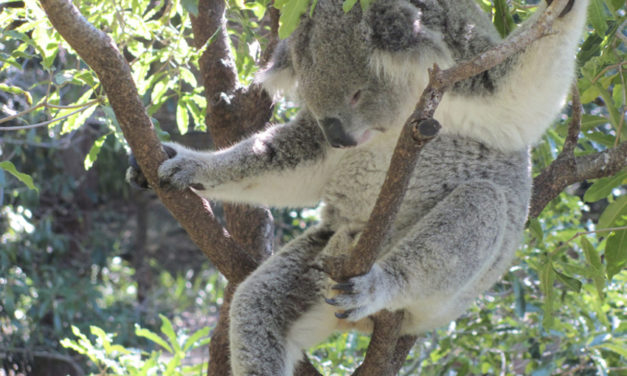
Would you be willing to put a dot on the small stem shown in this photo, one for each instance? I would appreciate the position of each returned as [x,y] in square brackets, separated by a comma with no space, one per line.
[44,123]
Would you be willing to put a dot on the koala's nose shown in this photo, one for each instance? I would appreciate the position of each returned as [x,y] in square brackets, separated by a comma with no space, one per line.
[335,134]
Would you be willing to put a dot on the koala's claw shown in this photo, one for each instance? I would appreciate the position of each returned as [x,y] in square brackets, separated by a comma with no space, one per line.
[178,173]
[134,175]
[344,315]
[360,296]
[347,287]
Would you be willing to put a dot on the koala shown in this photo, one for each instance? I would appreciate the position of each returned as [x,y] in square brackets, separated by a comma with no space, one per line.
[357,77]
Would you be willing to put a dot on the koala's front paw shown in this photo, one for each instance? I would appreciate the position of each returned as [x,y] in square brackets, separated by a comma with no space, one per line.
[181,170]
[360,297]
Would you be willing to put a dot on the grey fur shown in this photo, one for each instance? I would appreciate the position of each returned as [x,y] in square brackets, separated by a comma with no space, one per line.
[466,204]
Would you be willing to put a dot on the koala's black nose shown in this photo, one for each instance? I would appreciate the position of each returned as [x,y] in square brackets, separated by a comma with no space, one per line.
[335,134]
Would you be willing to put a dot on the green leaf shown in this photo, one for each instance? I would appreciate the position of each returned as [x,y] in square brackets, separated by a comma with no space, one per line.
[619,348]
[291,10]
[77,120]
[616,253]
[182,116]
[365,4]
[503,20]
[103,337]
[9,167]
[596,17]
[547,276]
[204,332]
[154,337]
[613,213]
[569,282]
[191,6]
[17,91]
[348,5]
[536,229]
[603,187]
[168,330]
[521,305]
[91,157]
[594,260]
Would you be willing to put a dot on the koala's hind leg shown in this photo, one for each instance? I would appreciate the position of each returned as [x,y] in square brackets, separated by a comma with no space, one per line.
[279,310]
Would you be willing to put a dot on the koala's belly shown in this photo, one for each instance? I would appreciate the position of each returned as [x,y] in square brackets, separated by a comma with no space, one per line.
[355,184]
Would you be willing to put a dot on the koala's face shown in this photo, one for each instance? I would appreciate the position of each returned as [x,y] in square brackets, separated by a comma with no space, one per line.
[337,83]
[331,59]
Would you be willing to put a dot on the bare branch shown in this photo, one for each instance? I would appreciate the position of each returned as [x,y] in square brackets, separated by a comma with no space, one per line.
[566,171]
[575,125]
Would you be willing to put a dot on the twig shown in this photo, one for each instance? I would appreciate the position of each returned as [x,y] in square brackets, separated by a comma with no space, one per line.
[48,122]
[559,249]
[575,126]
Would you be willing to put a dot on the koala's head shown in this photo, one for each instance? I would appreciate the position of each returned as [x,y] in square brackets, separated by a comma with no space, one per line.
[359,72]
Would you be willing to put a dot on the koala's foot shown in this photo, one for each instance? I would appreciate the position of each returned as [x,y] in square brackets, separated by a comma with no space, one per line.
[566,9]
[361,296]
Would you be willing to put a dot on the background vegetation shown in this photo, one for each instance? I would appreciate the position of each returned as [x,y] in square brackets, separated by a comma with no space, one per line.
[84,257]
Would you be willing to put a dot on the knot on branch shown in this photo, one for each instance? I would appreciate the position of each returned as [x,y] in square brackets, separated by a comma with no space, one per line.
[425,129]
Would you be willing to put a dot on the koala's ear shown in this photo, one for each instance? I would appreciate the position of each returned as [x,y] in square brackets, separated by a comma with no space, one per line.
[400,35]
[278,77]
[391,25]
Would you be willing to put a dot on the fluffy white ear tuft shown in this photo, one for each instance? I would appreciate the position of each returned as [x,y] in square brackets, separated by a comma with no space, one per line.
[403,67]
[278,77]
[278,82]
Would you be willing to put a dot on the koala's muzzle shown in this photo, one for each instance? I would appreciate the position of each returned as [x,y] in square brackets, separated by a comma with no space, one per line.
[335,134]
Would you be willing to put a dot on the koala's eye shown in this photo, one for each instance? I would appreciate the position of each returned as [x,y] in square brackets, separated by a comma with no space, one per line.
[355,98]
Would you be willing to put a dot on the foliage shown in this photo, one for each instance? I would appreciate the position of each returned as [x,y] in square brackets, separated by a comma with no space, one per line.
[560,309]
[114,359]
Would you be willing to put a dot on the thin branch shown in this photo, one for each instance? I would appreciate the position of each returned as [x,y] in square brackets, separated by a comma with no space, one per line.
[559,249]
[563,172]
[48,122]
[21,113]
[575,125]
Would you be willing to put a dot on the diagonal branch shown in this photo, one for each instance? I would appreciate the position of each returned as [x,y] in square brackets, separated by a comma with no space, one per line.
[194,214]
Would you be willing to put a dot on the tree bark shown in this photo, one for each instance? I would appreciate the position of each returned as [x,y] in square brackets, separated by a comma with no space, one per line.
[231,113]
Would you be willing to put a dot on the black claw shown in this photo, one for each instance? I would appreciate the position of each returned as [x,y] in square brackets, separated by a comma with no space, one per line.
[197,186]
[169,151]
[343,286]
[331,301]
[316,266]
[343,315]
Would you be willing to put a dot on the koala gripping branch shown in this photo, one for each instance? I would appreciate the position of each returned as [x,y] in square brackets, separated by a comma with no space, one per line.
[419,129]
